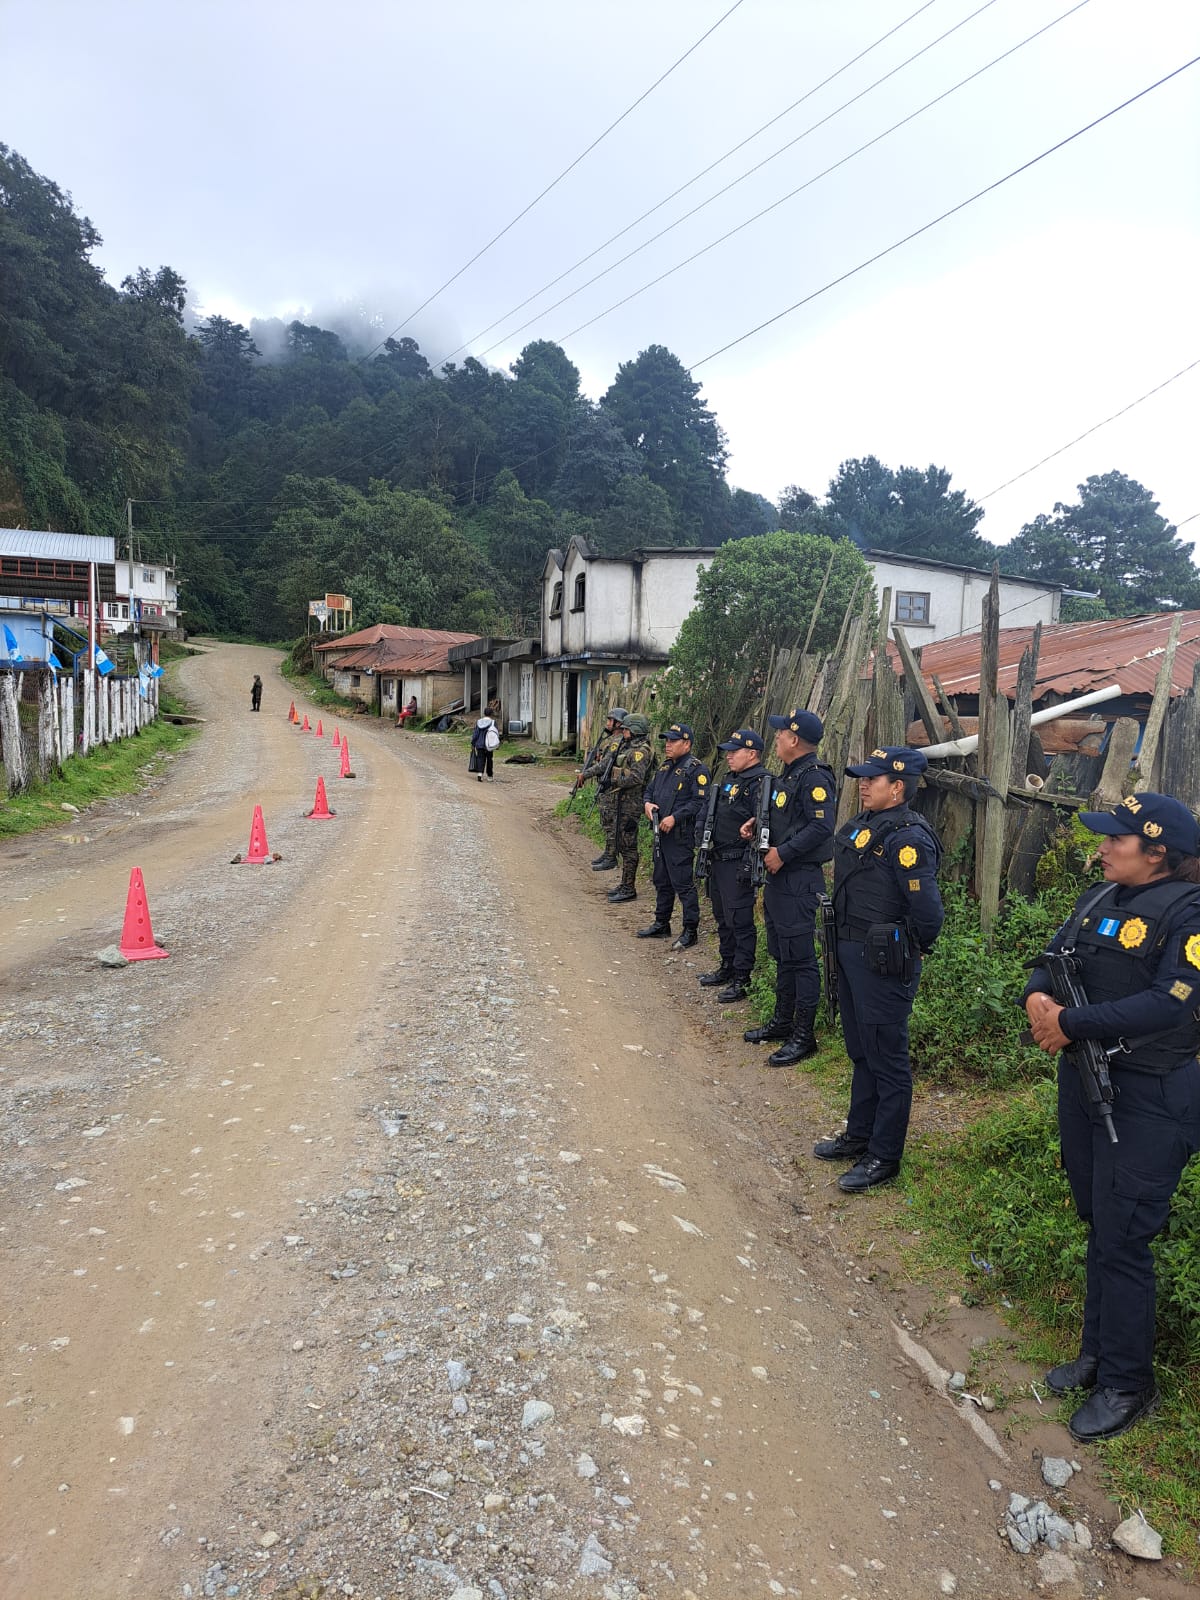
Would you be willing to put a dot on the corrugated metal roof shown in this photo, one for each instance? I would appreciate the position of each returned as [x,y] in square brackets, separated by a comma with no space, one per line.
[389,655]
[1075,657]
[57,546]
[392,632]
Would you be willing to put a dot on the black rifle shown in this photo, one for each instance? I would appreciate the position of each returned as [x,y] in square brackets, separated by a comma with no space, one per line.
[604,777]
[587,761]
[704,854]
[762,832]
[1088,1056]
[655,821]
[828,920]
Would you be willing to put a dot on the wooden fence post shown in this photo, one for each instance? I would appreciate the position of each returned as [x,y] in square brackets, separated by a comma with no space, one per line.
[88,680]
[15,775]
[66,697]
[990,821]
[1158,711]
[1181,757]
[48,761]
[989,669]
[1114,779]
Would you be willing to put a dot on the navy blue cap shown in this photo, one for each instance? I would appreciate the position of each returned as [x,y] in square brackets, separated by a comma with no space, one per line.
[806,725]
[743,739]
[894,761]
[677,730]
[1156,817]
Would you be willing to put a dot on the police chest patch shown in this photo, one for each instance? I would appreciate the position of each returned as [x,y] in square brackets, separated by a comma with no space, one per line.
[1181,990]
[1133,934]
[863,838]
[1192,950]
[702,778]
[781,800]
[731,789]
[819,793]
[907,856]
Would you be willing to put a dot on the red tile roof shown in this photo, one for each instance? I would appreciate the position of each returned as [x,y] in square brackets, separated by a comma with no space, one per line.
[387,648]
[1075,657]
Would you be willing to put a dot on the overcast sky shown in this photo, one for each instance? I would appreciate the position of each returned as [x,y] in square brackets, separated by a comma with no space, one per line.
[293,156]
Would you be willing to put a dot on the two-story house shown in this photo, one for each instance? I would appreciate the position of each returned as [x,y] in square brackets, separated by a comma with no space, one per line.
[606,614]
[935,600]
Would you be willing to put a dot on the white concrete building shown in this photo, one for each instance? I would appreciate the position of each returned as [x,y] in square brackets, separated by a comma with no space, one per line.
[602,615]
[934,600]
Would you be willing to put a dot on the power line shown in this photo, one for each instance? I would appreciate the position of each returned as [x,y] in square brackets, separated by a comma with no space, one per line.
[807,184]
[712,166]
[508,226]
[945,215]
[1087,432]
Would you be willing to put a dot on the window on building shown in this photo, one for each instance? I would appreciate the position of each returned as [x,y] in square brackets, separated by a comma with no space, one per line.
[355,680]
[912,607]
[147,575]
[556,601]
[580,592]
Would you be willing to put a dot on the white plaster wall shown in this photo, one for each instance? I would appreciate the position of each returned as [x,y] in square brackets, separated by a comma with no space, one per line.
[668,593]
[608,621]
[956,600]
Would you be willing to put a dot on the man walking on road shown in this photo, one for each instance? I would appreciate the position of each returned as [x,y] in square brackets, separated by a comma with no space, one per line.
[608,744]
[800,812]
[634,762]
[676,796]
[889,913]
[730,888]
[256,693]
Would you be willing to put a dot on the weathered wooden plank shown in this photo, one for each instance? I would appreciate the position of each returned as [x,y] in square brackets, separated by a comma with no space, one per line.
[1023,709]
[1146,759]
[16,775]
[1181,757]
[949,707]
[47,756]
[989,668]
[991,815]
[1114,778]
[914,680]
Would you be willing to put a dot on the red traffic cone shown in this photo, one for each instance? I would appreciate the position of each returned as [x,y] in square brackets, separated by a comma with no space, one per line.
[320,810]
[345,772]
[320,729]
[258,853]
[137,936]
[304,727]
[337,738]
[292,712]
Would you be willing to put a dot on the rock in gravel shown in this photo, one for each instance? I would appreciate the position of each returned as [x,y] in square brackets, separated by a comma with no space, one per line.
[111,956]
[269,1539]
[495,1502]
[467,1594]
[1137,1538]
[1055,1568]
[1083,1537]
[594,1562]
[536,1412]
[459,1376]
[947,1583]
[1056,1472]
[585,1467]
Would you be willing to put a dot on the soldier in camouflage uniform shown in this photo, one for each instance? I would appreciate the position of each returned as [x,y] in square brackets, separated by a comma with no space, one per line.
[609,742]
[635,762]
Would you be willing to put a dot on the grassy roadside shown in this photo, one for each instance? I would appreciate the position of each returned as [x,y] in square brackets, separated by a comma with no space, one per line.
[993,1215]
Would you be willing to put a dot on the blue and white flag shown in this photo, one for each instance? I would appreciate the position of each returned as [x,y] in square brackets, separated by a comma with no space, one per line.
[54,663]
[14,649]
[103,665]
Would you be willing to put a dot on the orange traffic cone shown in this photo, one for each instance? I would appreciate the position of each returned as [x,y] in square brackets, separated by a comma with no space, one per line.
[320,811]
[345,772]
[337,738]
[137,936]
[258,853]
[304,727]
[292,712]
[320,729]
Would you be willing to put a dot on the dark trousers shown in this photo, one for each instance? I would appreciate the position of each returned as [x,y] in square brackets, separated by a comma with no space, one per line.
[629,816]
[1123,1192]
[733,909]
[875,1013]
[607,805]
[790,914]
[673,862]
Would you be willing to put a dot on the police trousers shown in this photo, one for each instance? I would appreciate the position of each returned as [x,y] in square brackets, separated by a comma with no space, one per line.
[733,910]
[673,861]
[790,913]
[875,1012]
[1123,1193]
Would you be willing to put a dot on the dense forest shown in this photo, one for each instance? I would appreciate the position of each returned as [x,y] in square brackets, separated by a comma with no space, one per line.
[278,463]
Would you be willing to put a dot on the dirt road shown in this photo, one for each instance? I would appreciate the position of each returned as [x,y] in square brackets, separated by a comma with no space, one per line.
[414,1232]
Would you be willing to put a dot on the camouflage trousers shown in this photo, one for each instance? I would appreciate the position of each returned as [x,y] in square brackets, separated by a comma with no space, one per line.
[628,821]
[607,806]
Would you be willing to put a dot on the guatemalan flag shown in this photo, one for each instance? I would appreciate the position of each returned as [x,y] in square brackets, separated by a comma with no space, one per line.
[103,665]
[14,649]
[54,663]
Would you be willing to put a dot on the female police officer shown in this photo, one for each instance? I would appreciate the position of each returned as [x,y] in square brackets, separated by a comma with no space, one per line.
[1137,939]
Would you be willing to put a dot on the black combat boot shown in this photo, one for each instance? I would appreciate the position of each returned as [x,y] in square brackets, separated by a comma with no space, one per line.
[605,864]
[619,895]
[717,979]
[601,859]
[737,989]
[656,930]
[686,939]
[778,1028]
[800,1044]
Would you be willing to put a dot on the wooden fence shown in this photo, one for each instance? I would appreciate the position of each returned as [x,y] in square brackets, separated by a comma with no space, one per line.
[997,808]
[47,717]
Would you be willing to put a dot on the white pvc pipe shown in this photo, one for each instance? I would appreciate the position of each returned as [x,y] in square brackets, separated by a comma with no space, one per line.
[965,746]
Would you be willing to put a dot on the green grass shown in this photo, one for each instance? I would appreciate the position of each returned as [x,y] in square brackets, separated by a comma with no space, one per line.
[120,768]
[314,686]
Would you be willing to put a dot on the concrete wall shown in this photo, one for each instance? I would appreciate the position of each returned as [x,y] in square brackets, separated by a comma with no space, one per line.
[956,599]
[667,593]
[434,691]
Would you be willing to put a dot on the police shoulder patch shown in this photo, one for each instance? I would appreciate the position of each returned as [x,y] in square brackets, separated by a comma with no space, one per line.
[639,755]
[819,793]
[1192,950]
[863,838]
[1181,990]
[781,799]
[907,856]
[702,778]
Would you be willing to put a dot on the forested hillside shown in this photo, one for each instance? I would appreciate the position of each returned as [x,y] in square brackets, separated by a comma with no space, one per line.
[431,497]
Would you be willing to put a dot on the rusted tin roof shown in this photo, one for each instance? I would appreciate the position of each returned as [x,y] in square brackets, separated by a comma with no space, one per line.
[380,631]
[1075,657]
[386,648]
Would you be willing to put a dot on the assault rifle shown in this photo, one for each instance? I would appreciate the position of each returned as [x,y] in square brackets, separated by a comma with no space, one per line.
[704,854]
[762,832]
[829,967]
[1088,1056]
[604,777]
[587,761]
[655,820]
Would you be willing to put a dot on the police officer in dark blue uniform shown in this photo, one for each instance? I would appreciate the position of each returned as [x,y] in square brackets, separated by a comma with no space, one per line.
[677,796]
[1137,939]
[800,813]
[889,913]
[735,802]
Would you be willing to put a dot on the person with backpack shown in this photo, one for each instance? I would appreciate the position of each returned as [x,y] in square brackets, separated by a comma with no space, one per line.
[889,913]
[485,741]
